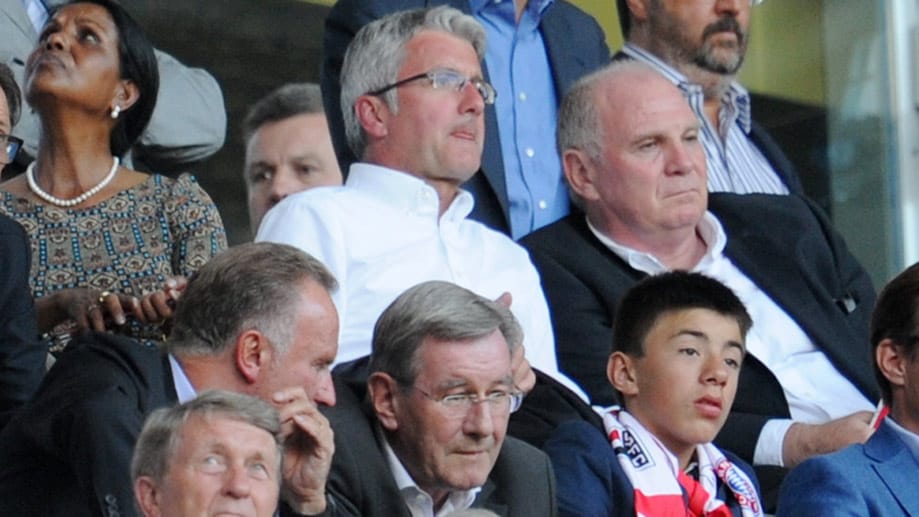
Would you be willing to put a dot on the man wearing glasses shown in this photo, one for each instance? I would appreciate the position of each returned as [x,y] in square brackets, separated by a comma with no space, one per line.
[413,98]
[699,45]
[432,438]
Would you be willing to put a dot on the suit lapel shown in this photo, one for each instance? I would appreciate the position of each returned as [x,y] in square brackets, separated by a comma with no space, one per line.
[890,460]
[564,61]
[483,500]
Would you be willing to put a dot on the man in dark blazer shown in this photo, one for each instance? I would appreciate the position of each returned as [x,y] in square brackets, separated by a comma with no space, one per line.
[426,433]
[879,477]
[700,47]
[22,358]
[575,45]
[257,319]
[643,190]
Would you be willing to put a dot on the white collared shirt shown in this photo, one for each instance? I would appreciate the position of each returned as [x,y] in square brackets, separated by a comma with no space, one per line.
[815,390]
[184,390]
[380,234]
[419,502]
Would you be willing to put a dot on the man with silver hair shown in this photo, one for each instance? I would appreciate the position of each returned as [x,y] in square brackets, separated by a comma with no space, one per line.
[700,47]
[219,453]
[430,435]
[256,319]
[414,96]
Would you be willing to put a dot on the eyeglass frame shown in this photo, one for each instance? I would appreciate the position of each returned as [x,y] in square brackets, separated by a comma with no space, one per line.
[467,401]
[11,146]
[485,89]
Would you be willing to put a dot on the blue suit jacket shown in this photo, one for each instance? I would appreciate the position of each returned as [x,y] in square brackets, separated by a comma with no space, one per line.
[575,44]
[880,477]
[590,481]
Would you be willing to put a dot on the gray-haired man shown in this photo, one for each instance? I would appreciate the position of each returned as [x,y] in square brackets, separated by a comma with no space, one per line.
[433,437]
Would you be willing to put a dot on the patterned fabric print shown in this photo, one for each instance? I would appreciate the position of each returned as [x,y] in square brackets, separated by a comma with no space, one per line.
[129,243]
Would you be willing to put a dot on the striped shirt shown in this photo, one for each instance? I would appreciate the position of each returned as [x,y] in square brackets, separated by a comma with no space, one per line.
[735,164]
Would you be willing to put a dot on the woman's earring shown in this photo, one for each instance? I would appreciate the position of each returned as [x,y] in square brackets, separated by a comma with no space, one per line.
[116,111]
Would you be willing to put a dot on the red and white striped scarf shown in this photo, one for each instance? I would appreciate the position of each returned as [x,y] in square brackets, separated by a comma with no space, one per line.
[659,483]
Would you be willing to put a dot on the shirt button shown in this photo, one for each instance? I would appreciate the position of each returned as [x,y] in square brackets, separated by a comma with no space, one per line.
[522,96]
[542,204]
[530,152]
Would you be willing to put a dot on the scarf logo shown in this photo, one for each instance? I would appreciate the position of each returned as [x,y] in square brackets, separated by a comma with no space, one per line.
[743,491]
[635,451]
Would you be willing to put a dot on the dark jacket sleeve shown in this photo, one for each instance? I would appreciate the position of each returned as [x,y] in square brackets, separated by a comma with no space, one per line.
[22,358]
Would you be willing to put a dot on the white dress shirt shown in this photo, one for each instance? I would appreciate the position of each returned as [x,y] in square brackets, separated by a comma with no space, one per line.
[815,390]
[419,502]
[380,234]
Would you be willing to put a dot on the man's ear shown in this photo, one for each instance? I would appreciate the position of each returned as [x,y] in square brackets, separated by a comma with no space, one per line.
[620,370]
[638,8]
[383,391]
[253,354]
[373,114]
[892,360]
[579,173]
[147,496]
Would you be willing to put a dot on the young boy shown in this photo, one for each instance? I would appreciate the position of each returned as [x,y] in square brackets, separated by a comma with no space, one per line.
[678,347]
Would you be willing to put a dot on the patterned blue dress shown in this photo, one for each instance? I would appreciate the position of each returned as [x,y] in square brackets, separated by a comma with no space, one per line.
[129,243]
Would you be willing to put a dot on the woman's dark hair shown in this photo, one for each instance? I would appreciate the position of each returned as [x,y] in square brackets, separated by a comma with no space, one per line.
[11,92]
[138,64]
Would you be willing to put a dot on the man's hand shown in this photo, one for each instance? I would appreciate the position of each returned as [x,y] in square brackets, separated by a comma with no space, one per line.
[524,378]
[805,440]
[308,448]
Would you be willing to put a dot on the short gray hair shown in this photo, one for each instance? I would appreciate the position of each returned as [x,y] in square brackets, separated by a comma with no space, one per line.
[376,53]
[250,286]
[287,101]
[579,124]
[439,310]
[160,437]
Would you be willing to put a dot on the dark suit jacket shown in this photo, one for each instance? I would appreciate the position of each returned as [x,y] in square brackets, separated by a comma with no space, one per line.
[877,478]
[575,44]
[770,149]
[68,452]
[360,483]
[591,483]
[22,358]
[782,243]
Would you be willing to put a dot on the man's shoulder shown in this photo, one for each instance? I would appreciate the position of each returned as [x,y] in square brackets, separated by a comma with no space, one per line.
[102,363]
[569,229]
[521,461]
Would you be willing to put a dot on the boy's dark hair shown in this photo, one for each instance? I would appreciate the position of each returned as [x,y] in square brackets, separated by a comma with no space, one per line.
[896,317]
[657,295]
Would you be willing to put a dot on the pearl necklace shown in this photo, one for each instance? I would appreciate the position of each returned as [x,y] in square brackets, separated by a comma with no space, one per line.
[33,186]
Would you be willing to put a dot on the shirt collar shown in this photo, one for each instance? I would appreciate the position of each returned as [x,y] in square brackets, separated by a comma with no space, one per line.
[460,499]
[735,103]
[184,390]
[406,192]
[709,229]
[536,6]
[910,439]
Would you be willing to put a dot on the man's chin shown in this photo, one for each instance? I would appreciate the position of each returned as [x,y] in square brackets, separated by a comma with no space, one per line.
[720,61]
